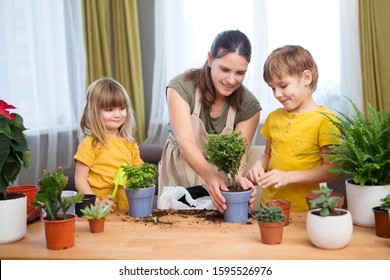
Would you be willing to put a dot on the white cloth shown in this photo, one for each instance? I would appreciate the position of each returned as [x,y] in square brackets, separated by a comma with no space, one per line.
[169,199]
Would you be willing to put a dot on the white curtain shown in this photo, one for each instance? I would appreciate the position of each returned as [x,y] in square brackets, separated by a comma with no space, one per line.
[42,73]
[185,29]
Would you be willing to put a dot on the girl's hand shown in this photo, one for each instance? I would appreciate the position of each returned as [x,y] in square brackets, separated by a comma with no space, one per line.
[109,200]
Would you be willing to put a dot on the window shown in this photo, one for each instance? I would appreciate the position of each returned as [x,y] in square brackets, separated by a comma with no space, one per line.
[328,29]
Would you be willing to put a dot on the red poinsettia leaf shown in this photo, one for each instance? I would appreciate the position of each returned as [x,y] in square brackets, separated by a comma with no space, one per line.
[3,106]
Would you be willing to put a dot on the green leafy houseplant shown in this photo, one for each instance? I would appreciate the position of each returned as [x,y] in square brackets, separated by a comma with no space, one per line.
[226,152]
[364,151]
[269,214]
[49,195]
[385,203]
[139,177]
[325,202]
[14,151]
[97,212]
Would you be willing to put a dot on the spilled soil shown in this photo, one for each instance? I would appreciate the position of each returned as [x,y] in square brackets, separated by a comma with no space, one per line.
[180,217]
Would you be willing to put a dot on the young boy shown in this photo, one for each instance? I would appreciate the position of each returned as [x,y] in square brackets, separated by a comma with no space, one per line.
[294,161]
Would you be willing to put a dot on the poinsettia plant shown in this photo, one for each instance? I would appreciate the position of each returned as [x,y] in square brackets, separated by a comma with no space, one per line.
[14,152]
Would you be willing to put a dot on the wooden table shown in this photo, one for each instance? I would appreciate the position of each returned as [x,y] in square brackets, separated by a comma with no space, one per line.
[184,236]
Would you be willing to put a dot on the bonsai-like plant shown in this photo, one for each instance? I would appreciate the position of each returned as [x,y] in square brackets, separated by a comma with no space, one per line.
[14,151]
[325,201]
[364,150]
[269,214]
[49,195]
[139,177]
[226,152]
[93,212]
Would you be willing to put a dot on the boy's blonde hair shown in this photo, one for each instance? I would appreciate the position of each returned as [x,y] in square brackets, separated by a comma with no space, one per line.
[102,94]
[292,61]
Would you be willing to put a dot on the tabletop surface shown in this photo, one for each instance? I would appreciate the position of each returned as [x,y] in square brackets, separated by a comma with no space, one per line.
[191,234]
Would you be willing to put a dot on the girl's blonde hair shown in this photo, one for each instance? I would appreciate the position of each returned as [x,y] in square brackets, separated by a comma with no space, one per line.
[102,94]
[290,60]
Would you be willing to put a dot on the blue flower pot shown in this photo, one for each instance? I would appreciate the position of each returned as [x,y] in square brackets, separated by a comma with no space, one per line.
[141,201]
[237,206]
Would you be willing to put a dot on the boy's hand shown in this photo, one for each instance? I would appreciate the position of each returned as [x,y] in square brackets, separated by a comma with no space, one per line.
[255,173]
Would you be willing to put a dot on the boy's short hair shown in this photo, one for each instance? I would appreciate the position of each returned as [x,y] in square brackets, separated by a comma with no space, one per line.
[290,60]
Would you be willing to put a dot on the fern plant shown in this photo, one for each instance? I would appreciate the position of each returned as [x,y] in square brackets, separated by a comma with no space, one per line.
[269,214]
[364,150]
[97,212]
[325,201]
[226,152]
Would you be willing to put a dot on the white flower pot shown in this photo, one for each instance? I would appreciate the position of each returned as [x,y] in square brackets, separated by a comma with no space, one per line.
[361,200]
[13,219]
[330,232]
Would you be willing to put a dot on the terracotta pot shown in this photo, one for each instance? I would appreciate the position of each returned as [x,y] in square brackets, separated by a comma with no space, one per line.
[271,233]
[382,222]
[96,225]
[60,234]
[284,205]
[311,196]
[30,191]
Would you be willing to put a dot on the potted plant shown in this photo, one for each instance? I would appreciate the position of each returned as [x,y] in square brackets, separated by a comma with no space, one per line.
[328,227]
[226,152]
[96,216]
[381,215]
[14,154]
[59,228]
[140,185]
[270,220]
[363,153]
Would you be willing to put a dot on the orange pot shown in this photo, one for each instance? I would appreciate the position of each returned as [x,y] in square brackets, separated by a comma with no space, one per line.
[96,225]
[271,233]
[284,205]
[382,223]
[30,191]
[60,234]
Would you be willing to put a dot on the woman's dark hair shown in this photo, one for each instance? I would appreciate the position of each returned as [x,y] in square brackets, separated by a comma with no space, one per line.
[229,41]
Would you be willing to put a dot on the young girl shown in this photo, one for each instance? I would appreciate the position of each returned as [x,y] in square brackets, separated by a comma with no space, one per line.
[107,124]
[297,134]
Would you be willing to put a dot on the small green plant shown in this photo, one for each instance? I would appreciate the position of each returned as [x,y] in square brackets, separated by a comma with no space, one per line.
[226,152]
[364,150]
[385,205]
[49,197]
[139,177]
[269,214]
[97,212]
[325,201]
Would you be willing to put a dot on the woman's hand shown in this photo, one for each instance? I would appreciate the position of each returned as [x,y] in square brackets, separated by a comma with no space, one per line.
[216,184]
[247,184]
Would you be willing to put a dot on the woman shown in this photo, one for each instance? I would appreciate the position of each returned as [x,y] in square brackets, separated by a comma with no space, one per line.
[208,100]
